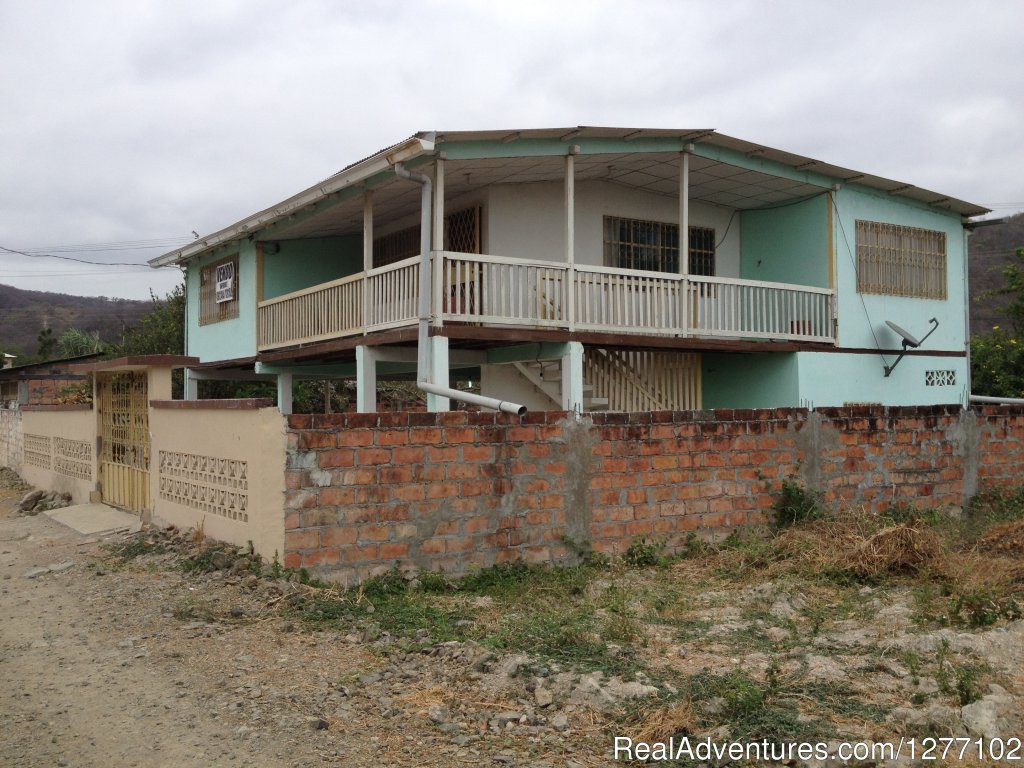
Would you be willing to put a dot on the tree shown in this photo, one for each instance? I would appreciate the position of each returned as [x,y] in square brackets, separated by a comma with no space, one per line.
[47,344]
[162,330]
[997,358]
[75,342]
[1013,274]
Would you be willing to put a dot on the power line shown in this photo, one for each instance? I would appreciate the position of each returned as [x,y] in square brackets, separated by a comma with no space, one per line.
[72,258]
[59,274]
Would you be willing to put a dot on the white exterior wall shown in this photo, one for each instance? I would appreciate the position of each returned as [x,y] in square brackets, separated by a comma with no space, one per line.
[527,221]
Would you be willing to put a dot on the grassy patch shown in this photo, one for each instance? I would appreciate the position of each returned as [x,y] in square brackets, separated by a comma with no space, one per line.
[136,546]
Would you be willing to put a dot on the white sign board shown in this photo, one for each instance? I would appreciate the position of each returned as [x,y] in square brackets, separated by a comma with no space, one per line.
[225,282]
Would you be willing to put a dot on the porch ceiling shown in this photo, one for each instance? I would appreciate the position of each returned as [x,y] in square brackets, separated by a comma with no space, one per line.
[711,181]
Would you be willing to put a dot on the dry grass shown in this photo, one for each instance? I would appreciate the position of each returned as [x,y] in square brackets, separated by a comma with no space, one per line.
[1006,540]
[898,549]
[661,724]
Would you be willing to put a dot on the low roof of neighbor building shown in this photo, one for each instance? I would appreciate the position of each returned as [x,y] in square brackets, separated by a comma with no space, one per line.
[638,168]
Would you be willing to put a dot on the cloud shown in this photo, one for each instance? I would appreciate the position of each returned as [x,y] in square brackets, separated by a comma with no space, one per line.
[138,121]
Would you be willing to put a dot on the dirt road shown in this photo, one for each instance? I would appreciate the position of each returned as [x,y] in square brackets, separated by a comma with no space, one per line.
[149,666]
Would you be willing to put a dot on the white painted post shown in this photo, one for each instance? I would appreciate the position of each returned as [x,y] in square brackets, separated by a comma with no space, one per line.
[684,235]
[570,235]
[367,254]
[284,393]
[438,373]
[438,243]
[572,377]
[684,212]
[191,385]
[366,379]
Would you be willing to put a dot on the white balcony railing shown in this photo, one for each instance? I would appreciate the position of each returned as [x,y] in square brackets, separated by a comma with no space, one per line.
[326,311]
[492,290]
[392,293]
[754,309]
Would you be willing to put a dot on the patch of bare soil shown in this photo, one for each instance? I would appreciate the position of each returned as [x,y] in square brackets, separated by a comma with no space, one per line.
[133,660]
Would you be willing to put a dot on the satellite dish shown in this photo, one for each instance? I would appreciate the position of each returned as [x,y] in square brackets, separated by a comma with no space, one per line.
[909,340]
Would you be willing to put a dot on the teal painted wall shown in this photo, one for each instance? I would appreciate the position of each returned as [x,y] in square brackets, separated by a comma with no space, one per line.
[862,316]
[227,339]
[763,380]
[833,379]
[787,244]
[302,263]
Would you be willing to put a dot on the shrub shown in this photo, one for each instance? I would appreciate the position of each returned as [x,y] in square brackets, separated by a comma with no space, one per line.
[796,504]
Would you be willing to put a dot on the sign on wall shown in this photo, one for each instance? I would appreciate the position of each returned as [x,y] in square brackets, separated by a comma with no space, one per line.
[225,282]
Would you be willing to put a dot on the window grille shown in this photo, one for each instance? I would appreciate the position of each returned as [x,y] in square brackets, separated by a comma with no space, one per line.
[901,261]
[654,246]
[461,233]
[940,378]
[210,309]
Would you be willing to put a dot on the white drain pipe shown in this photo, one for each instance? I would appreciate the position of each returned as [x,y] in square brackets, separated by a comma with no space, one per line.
[423,341]
[997,400]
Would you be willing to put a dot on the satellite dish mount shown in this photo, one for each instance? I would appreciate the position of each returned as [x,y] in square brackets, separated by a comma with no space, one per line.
[909,341]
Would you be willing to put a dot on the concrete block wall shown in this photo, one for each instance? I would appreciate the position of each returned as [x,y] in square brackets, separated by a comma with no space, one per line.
[10,438]
[456,490]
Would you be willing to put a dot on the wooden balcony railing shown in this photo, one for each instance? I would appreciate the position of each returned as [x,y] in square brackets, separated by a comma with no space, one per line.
[326,311]
[493,290]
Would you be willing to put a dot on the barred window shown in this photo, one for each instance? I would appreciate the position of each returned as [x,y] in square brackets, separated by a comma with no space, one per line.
[901,261]
[654,246]
[461,233]
[218,291]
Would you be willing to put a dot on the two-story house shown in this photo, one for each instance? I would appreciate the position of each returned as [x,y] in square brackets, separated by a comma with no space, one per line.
[578,268]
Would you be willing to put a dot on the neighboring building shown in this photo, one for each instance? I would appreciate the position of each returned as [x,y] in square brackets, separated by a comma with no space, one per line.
[51,383]
[558,277]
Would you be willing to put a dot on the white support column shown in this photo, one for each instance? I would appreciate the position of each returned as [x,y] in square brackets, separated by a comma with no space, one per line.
[572,377]
[570,235]
[437,244]
[684,237]
[684,211]
[438,373]
[284,393]
[366,379]
[191,385]
[367,253]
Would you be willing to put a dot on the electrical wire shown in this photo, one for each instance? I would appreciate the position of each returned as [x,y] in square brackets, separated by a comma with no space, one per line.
[30,255]
[115,245]
[853,261]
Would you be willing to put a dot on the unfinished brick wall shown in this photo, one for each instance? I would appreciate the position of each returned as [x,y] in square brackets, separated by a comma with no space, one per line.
[455,490]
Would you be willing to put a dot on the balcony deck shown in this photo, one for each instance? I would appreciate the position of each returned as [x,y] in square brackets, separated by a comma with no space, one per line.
[504,292]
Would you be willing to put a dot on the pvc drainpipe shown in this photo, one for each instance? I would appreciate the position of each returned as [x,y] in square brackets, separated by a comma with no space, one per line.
[423,342]
[997,400]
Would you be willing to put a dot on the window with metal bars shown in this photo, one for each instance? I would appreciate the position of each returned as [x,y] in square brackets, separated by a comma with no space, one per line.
[901,261]
[654,246]
[218,291]
[461,234]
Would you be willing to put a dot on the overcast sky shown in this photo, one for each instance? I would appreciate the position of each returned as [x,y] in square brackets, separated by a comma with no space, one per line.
[137,122]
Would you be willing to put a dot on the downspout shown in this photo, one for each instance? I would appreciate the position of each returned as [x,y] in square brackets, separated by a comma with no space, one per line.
[967,313]
[423,341]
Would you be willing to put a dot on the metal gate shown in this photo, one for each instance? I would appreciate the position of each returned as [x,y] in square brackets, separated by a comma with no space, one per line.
[124,439]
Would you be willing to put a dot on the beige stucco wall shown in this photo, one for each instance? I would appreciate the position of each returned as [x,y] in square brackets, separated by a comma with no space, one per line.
[59,451]
[222,469]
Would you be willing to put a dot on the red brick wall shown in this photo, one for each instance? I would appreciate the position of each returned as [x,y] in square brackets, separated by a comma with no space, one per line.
[455,490]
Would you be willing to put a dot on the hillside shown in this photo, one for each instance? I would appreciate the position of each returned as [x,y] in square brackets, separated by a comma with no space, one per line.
[991,248]
[23,314]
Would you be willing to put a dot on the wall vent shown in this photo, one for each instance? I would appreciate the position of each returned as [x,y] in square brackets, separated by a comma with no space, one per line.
[940,378]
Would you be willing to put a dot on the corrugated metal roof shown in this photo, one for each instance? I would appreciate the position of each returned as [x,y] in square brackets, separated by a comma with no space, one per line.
[426,141]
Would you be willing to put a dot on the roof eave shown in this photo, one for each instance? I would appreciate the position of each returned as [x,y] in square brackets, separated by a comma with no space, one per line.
[404,151]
